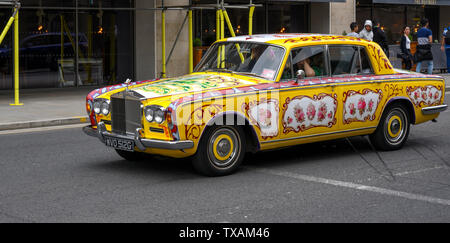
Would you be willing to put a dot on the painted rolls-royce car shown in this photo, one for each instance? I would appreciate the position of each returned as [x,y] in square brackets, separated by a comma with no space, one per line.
[262,92]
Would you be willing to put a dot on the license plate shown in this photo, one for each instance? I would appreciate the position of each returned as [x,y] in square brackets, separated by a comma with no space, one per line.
[120,143]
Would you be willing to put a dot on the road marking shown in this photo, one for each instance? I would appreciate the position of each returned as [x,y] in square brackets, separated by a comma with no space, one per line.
[420,171]
[41,129]
[355,186]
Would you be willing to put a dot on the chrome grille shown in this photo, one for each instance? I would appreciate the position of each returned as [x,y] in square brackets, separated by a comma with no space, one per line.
[126,112]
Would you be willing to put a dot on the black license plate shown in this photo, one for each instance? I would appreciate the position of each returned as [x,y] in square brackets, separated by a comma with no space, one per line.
[119,143]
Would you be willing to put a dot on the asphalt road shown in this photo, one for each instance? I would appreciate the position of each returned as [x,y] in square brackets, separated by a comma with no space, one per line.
[62,175]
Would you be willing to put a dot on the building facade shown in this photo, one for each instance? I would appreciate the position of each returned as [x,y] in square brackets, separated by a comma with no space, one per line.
[99,42]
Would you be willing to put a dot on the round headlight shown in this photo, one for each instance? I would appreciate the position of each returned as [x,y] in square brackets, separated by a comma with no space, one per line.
[105,108]
[159,116]
[97,107]
[149,114]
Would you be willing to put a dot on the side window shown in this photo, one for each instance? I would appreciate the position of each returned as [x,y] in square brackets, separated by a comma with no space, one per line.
[366,68]
[344,60]
[310,59]
[288,73]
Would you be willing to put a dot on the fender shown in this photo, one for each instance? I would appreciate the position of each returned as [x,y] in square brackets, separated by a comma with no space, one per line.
[410,106]
[239,116]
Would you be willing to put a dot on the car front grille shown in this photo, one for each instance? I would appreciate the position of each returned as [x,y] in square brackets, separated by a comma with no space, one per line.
[126,112]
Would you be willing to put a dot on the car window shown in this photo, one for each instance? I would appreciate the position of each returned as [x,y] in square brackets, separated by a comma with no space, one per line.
[311,60]
[344,60]
[288,73]
[366,68]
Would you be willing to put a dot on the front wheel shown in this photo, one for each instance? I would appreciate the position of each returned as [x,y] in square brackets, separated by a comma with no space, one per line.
[220,151]
[393,130]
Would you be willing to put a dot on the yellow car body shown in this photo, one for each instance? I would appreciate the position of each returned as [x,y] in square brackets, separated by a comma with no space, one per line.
[279,113]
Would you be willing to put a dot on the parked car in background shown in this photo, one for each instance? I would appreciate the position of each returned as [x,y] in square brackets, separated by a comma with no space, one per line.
[262,92]
[42,51]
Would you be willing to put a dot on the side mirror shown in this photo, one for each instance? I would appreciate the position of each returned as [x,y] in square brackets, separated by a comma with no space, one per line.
[300,74]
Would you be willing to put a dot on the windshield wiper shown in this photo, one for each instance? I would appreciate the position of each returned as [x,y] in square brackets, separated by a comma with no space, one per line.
[251,74]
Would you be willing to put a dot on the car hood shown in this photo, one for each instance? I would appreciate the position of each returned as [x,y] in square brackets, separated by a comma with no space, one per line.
[194,83]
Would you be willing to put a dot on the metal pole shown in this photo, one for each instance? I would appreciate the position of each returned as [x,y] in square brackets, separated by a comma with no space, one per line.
[191,44]
[16,61]
[163,41]
[230,27]
[250,19]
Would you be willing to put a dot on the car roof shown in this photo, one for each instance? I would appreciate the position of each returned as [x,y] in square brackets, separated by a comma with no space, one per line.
[294,39]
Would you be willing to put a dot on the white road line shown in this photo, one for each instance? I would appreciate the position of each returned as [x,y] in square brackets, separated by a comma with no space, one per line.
[355,186]
[420,171]
[41,129]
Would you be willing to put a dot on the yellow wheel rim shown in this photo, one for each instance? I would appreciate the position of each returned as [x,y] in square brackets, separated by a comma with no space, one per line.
[223,147]
[394,126]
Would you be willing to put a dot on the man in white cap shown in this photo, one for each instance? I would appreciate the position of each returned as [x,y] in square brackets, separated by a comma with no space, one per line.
[367,32]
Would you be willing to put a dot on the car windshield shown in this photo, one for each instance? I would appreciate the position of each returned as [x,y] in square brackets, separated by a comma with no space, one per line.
[260,60]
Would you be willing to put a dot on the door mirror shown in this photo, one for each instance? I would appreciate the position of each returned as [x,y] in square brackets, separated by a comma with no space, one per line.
[301,74]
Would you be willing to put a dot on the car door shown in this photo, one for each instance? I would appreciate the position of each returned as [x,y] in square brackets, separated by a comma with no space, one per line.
[308,106]
[358,88]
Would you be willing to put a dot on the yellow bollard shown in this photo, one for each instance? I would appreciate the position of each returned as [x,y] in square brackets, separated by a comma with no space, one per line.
[191,44]
[16,61]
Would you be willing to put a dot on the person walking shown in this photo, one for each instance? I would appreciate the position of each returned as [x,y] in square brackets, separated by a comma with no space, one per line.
[405,47]
[380,37]
[423,54]
[445,45]
[367,32]
[354,27]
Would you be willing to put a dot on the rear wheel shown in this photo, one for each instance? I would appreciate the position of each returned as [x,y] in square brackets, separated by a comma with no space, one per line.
[221,151]
[393,130]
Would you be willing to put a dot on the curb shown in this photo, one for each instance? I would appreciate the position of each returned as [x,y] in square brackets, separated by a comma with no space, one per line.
[44,123]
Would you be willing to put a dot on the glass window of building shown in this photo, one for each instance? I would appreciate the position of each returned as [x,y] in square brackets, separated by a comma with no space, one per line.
[70,43]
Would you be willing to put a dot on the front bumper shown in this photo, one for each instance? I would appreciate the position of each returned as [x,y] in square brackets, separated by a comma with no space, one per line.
[141,143]
[434,109]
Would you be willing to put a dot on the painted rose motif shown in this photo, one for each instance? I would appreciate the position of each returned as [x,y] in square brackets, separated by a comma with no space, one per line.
[264,116]
[311,112]
[330,115]
[322,112]
[361,106]
[424,95]
[416,95]
[299,114]
[352,109]
[290,120]
[430,95]
[371,103]
[436,95]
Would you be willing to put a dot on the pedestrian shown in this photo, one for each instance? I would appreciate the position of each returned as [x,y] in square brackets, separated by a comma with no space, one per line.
[405,47]
[354,27]
[445,47]
[380,37]
[367,32]
[423,53]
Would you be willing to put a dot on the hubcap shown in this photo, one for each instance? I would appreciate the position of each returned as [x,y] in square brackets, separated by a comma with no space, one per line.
[395,126]
[224,147]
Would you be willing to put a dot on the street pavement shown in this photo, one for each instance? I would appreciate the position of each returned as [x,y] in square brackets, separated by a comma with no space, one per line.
[62,175]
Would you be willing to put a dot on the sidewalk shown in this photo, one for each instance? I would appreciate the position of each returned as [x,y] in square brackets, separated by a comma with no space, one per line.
[43,107]
[53,107]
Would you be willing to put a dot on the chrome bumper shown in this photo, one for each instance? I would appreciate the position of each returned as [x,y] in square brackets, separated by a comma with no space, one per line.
[434,109]
[141,143]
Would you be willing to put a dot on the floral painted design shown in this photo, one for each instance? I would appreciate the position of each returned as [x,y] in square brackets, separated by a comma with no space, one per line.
[426,95]
[299,114]
[311,112]
[264,114]
[361,106]
[321,115]
[303,112]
